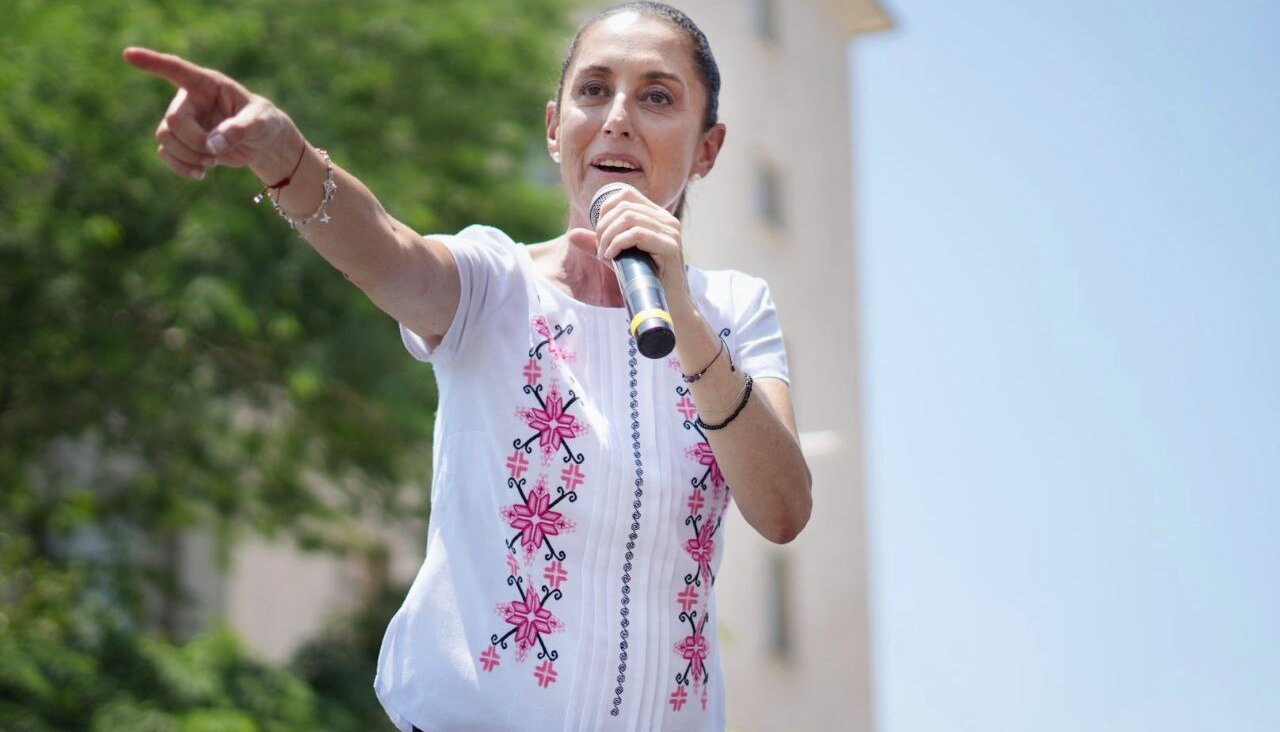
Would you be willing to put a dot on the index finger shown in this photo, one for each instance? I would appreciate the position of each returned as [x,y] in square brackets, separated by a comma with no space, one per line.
[627,194]
[175,69]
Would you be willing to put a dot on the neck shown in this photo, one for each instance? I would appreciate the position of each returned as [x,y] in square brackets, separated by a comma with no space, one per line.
[578,271]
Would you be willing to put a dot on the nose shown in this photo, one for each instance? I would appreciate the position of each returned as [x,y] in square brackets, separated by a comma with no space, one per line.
[618,123]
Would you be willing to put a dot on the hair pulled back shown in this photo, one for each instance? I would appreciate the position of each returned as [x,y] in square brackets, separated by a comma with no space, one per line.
[703,60]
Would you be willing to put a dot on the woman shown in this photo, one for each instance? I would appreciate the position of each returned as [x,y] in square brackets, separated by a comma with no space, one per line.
[579,491]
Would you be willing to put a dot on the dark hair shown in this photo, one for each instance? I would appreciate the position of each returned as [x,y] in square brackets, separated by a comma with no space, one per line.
[703,60]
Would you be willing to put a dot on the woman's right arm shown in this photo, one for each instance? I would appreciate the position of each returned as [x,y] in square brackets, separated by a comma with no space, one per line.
[213,119]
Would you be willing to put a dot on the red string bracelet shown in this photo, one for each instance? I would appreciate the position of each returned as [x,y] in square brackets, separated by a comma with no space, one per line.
[263,193]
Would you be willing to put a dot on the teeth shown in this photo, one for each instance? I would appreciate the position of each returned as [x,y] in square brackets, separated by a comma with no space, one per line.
[611,163]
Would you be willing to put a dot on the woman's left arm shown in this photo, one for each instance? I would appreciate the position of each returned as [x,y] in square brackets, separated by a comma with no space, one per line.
[758,451]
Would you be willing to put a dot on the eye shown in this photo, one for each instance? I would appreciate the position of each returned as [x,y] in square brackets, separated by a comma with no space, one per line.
[593,88]
[657,96]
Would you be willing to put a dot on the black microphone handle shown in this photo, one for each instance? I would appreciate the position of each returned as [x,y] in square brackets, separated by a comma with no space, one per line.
[642,292]
[646,301]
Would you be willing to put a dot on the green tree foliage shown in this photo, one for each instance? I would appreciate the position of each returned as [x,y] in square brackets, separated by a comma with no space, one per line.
[70,660]
[340,663]
[172,356]
[91,674]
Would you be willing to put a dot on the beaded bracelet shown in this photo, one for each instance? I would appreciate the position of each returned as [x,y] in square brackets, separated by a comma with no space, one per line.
[321,214]
[746,396]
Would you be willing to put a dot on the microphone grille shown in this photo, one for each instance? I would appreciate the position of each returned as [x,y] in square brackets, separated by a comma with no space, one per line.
[607,191]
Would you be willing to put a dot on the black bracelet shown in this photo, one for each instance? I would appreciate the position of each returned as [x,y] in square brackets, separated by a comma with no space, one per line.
[746,396]
[689,379]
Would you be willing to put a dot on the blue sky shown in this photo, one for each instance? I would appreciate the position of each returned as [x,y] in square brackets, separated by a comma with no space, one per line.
[1069,250]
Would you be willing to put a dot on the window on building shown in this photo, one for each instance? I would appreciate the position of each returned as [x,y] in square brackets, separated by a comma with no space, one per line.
[769,195]
[764,18]
[777,605]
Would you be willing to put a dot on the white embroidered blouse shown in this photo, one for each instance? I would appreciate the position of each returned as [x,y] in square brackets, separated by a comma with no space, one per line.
[577,513]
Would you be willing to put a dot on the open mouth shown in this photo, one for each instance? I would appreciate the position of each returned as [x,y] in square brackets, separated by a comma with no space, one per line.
[616,166]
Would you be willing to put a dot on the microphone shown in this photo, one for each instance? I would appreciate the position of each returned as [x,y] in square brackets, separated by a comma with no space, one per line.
[642,291]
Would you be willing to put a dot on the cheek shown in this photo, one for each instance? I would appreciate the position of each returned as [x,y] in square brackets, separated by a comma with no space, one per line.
[575,130]
[678,152]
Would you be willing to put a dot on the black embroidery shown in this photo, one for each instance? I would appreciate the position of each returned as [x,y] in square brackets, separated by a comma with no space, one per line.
[536,351]
[552,410]
[532,502]
[532,516]
[631,538]
[518,583]
[695,648]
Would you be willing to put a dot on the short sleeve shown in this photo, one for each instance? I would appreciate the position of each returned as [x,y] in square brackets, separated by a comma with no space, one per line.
[487,267]
[759,348]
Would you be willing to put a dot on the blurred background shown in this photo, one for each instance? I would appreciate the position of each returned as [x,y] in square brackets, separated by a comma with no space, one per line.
[1025,257]
[213,450]
[1069,256]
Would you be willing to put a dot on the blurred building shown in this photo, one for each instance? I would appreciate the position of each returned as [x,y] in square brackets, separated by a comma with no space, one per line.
[793,619]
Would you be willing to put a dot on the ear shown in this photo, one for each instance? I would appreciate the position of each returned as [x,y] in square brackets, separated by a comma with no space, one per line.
[553,130]
[708,150]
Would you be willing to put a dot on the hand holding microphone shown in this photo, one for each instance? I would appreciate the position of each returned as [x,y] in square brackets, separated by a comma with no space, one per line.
[642,291]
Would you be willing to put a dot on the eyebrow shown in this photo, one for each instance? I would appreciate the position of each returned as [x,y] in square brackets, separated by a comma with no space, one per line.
[601,69]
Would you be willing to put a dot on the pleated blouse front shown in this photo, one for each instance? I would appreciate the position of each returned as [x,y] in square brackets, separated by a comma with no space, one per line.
[577,519]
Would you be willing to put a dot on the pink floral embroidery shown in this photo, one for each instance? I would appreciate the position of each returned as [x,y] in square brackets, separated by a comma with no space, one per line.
[721,497]
[687,408]
[678,698]
[694,606]
[532,371]
[555,574]
[702,548]
[546,674]
[517,464]
[572,477]
[696,501]
[559,355]
[687,598]
[553,423]
[534,518]
[531,621]
[706,458]
[695,649]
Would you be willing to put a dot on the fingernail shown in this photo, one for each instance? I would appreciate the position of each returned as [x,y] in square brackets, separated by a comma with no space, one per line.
[200,175]
[217,143]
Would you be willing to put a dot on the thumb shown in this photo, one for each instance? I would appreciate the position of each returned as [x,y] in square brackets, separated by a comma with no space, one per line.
[228,134]
[235,130]
[584,239]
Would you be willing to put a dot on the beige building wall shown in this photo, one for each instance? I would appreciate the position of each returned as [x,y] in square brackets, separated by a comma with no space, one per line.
[793,619]
[277,597]
[794,624]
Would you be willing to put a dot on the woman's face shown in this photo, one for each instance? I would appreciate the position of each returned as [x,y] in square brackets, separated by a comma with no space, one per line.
[631,110]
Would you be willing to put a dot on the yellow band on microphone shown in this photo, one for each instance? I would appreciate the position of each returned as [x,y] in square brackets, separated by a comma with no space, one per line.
[644,315]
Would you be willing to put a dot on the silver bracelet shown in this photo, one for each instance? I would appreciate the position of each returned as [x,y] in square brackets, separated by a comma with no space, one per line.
[321,214]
